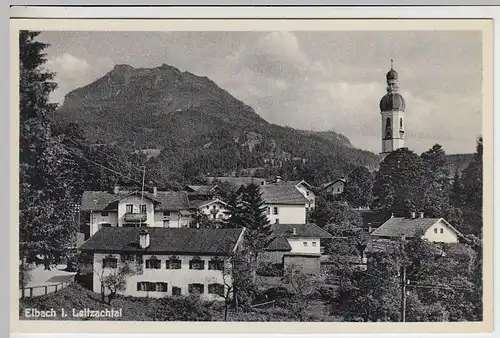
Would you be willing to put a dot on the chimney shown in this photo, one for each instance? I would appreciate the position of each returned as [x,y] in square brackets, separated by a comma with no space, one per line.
[144,239]
[155,191]
[369,229]
[412,214]
[116,189]
[278,179]
[421,214]
[392,215]
[294,231]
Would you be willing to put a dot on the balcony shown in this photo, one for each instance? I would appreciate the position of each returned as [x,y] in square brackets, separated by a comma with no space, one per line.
[135,217]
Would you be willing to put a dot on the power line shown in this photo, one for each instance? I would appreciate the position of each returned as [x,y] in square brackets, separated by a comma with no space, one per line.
[106,168]
[108,155]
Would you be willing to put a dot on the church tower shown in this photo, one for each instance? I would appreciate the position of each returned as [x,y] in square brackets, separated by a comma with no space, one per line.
[392,110]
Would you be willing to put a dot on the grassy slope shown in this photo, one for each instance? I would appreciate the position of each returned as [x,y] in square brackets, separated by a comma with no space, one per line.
[142,309]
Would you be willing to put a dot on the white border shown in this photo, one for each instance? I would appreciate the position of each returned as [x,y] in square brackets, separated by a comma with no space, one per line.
[291,12]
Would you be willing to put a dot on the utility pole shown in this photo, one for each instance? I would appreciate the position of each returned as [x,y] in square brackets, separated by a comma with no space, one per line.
[403,281]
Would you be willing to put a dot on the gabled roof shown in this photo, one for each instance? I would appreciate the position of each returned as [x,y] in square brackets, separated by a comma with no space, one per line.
[203,203]
[96,200]
[282,194]
[279,244]
[301,231]
[293,183]
[165,240]
[166,200]
[409,227]
[138,193]
[326,185]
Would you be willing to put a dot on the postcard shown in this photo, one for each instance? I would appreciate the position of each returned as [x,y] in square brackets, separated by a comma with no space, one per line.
[315,175]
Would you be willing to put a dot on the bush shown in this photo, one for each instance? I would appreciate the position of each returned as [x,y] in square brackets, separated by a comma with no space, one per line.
[268,269]
[180,308]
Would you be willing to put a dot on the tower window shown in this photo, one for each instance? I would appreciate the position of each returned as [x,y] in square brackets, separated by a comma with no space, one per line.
[388,128]
[401,123]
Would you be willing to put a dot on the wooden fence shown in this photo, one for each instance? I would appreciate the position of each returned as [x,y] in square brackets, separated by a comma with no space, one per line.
[34,291]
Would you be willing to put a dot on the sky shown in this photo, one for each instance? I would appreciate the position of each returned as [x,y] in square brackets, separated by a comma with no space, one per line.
[327,80]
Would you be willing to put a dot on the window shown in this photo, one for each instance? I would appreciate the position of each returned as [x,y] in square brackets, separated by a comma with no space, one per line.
[109,262]
[401,123]
[277,221]
[307,193]
[174,263]
[197,264]
[441,231]
[129,208]
[214,207]
[166,223]
[313,243]
[104,213]
[176,291]
[275,210]
[166,213]
[305,243]
[105,225]
[216,289]
[143,209]
[208,207]
[216,264]
[153,263]
[269,210]
[435,230]
[152,286]
[196,288]
[161,287]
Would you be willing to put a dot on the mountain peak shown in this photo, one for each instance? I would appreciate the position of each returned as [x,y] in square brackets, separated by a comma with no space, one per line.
[123,67]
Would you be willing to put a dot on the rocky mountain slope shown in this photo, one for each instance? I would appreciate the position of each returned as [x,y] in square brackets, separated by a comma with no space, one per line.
[196,123]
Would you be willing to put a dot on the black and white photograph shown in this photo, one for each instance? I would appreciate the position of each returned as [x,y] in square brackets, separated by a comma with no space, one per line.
[284,175]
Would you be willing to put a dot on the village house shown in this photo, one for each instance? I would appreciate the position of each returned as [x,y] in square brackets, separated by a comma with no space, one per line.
[388,235]
[334,188]
[203,192]
[296,244]
[304,188]
[215,209]
[285,204]
[135,209]
[164,261]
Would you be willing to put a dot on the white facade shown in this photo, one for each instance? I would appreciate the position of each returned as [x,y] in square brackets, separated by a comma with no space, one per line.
[336,188]
[304,245]
[286,213]
[114,218]
[440,232]
[392,130]
[308,194]
[215,209]
[180,278]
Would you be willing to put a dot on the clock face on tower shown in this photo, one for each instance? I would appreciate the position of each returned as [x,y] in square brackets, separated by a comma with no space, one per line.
[388,129]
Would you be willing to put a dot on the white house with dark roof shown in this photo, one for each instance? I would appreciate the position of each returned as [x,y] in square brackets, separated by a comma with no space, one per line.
[285,204]
[215,209]
[165,261]
[335,187]
[304,188]
[299,244]
[437,230]
[136,209]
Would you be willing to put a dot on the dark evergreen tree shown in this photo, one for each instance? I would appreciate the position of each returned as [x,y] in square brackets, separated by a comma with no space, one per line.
[399,183]
[46,214]
[358,188]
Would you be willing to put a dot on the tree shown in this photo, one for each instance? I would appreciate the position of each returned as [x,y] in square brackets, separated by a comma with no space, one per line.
[202,221]
[335,214]
[472,179]
[399,183]
[436,194]
[114,280]
[358,188]
[302,288]
[45,192]
[252,215]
